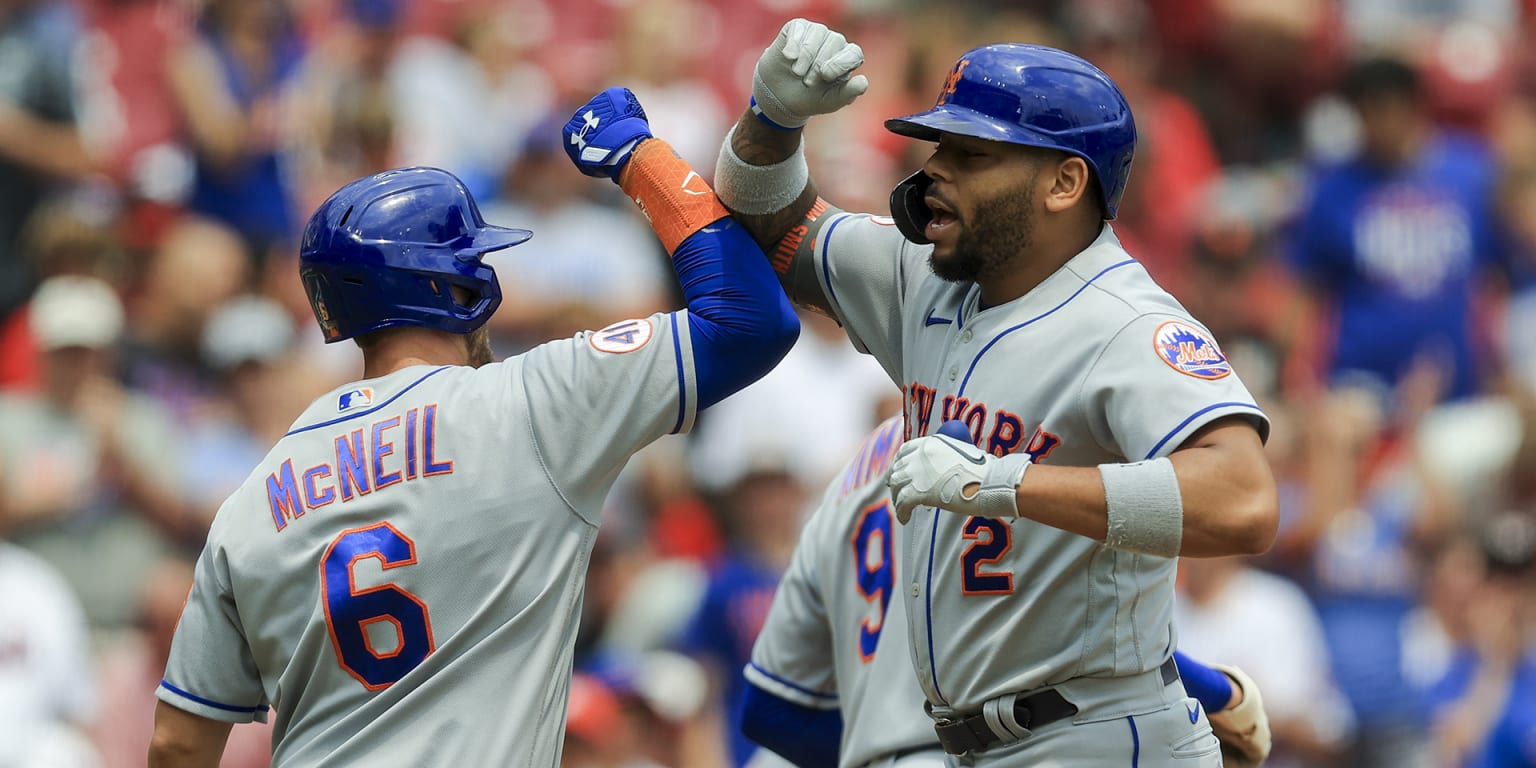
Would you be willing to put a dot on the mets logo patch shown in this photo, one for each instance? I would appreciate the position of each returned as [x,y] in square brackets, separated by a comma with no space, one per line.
[1190,351]
[624,336]
[354,398]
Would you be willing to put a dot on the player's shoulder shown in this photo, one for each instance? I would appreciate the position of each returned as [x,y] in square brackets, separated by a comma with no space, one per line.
[840,231]
[1114,287]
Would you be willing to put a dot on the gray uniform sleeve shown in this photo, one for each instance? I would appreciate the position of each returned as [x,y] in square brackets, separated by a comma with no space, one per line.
[210,671]
[793,657]
[1157,382]
[596,398]
[863,264]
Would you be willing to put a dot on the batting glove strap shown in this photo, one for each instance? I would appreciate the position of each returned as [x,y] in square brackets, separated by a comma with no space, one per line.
[999,493]
[934,471]
[808,70]
[1243,729]
[757,112]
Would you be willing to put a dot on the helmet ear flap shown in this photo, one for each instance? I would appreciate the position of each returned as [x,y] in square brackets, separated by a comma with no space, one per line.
[908,209]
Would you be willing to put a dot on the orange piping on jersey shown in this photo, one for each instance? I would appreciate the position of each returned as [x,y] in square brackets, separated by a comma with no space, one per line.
[352,465]
[1007,433]
[430,465]
[955,408]
[1041,443]
[862,556]
[410,444]
[669,192]
[882,449]
[382,479]
[399,628]
[920,401]
[384,564]
[976,541]
[314,499]
[283,495]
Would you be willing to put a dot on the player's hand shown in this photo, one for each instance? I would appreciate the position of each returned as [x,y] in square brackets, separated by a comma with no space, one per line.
[942,471]
[1243,730]
[604,132]
[807,71]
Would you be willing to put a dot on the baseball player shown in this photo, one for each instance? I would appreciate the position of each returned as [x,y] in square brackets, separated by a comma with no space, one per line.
[831,672]
[401,576]
[1039,601]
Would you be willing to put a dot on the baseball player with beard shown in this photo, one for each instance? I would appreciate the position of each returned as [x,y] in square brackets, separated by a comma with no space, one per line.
[1110,433]
[831,672]
[401,576]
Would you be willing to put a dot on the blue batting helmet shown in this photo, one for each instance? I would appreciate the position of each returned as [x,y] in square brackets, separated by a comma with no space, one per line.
[386,249]
[1038,97]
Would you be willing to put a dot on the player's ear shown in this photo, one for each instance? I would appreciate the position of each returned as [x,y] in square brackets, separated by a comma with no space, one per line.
[1068,183]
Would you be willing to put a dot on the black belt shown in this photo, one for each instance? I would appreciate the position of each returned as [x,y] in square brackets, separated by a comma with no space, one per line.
[971,733]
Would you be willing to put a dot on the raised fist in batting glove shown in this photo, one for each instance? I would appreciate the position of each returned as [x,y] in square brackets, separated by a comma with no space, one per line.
[604,132]
[806,72]
[941,471]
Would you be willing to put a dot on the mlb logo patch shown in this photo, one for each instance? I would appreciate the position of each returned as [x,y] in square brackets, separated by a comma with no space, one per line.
[353,399]
[1190,351]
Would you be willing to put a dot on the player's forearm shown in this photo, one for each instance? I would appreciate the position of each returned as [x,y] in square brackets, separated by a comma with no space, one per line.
[740,322]
[758,144]
[185,740]
[1228,496]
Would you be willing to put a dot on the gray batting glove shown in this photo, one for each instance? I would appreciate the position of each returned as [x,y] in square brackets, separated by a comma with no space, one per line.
[807,71]
[935,471]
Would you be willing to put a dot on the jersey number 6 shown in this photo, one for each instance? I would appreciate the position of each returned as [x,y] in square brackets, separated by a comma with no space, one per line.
[349,611]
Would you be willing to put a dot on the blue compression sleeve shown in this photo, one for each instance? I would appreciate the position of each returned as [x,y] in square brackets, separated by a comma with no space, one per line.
[739,320]
[805,736]
[1210,686]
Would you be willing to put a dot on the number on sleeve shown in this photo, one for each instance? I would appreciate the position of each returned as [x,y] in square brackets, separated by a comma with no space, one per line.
[990,540]
[874,571]
[350,611]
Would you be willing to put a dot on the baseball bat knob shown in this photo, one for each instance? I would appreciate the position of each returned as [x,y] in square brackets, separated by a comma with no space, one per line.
[958,430]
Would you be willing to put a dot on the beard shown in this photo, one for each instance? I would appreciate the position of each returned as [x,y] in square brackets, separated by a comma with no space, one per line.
[479,343]
[1001,229]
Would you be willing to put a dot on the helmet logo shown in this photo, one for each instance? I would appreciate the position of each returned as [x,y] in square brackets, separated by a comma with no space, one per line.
[952,81]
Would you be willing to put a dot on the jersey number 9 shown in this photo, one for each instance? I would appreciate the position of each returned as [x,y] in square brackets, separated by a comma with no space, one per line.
[874,571]
[350,611]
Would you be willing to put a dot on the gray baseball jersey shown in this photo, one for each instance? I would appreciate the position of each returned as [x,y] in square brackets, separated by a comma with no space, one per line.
[1096,364]
[834,637]
[402,574]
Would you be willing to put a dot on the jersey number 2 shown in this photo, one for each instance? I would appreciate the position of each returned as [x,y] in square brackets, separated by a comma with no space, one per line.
[990,540]
[874,571]
[350,611]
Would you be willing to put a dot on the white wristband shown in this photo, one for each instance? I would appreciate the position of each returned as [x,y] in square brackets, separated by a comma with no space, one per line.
[1146,510]
[756,190]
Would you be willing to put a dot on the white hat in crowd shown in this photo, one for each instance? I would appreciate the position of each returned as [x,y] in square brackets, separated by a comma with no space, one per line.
[247,329]
[75,311]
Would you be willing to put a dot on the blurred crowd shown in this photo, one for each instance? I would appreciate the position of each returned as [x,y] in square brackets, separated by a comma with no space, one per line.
[1344,191]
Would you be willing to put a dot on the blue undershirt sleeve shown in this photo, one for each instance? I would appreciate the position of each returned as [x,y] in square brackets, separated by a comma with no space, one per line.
[805,736]
[739,320]
[1211,687]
